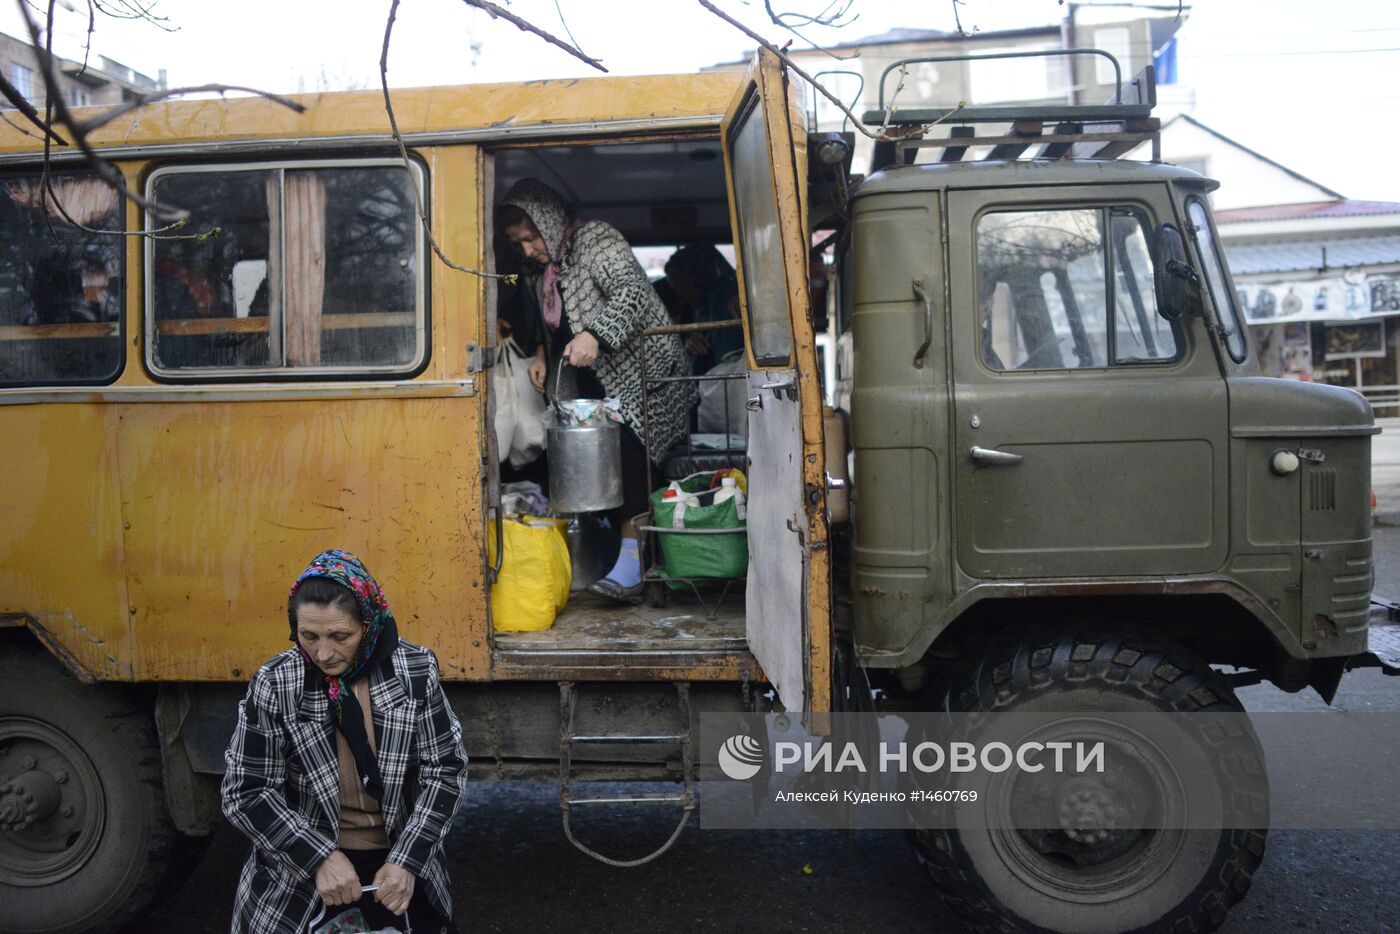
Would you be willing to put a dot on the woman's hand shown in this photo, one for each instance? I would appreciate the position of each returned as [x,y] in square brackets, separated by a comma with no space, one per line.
[537,370]
[336,880]
[582,350]
[395,887]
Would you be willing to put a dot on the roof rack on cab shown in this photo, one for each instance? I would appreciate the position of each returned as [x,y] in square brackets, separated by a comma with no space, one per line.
[1076,131]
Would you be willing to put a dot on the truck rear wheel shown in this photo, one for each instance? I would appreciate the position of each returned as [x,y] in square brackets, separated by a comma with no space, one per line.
[1103,881]
[84,835]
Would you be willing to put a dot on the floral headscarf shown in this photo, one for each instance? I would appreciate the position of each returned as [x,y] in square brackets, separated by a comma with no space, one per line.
[379,641]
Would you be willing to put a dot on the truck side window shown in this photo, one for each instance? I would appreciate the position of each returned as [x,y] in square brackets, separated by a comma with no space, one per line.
[1227,313]
[1140,334]
[291,267]
[61,293]
[1048,279]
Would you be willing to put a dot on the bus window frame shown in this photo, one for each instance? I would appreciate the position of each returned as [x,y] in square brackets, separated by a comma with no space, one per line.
[418,170]
[124,285]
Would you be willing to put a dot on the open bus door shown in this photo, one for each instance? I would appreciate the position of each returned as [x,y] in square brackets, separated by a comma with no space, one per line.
[788,592]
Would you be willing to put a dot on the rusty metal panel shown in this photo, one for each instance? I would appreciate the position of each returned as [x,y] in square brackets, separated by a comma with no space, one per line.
[224,503]
[61,544]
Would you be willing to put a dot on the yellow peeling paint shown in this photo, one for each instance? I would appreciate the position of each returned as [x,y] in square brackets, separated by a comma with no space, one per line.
[418,110]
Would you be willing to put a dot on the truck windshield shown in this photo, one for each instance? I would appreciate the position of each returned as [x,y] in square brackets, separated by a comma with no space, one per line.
[1227,312]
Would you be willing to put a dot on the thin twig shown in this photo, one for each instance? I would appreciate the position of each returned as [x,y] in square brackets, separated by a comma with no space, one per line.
[856,121]
[519,23]
[565,23]
[18,127]
[58,109]
[61,115]
[21,103]
[403,154]
[87,40]
[957,20]
[779,20]
[133,10]
[142,100]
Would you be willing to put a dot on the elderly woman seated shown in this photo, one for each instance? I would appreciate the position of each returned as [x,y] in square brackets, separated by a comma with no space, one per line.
[346,766]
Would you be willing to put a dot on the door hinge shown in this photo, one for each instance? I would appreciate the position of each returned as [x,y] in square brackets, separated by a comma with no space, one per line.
[479,358]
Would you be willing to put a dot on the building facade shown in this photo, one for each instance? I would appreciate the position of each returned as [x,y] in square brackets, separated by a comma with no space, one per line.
[100,81]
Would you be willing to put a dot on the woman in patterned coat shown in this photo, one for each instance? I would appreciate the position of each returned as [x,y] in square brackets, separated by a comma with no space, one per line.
[595,301]
[346,766]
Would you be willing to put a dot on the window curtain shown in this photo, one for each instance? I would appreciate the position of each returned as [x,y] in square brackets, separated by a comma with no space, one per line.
[302,248]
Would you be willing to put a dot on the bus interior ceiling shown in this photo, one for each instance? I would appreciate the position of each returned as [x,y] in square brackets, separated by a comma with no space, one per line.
[657,193]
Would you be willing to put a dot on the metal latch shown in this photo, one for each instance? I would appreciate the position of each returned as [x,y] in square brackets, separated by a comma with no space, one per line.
[780,388]
[479,358]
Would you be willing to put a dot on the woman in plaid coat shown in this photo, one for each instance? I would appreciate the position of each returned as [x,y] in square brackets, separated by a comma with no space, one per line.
[346,766]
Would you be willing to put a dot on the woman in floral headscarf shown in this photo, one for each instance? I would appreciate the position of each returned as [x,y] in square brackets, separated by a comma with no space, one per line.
[346,766]
[595,301]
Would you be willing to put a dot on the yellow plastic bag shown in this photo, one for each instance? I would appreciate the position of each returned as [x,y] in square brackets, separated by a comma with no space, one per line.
[535,574]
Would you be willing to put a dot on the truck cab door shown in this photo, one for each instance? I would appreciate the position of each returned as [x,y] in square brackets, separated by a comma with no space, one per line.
[787,595]
[1092,435]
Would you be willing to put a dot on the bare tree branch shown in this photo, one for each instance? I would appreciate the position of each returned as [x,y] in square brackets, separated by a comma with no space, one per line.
[957,19]
[825,18]
[521,24]
[403,154]
[134,9]
[141,100]
[16,126]
[58,113]
[821,19]
[12,94]
[882,133]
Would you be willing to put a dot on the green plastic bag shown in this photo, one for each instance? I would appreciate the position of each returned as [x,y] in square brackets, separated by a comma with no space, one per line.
[701,556]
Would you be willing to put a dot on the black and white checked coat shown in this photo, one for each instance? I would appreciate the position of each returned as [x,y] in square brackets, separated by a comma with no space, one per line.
[282,783]
[607,293]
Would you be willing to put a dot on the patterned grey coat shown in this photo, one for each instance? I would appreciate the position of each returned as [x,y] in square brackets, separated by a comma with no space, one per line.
[282,783]
[607,293]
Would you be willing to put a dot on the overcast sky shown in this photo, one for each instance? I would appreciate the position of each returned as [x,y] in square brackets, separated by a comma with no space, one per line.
[1314,84]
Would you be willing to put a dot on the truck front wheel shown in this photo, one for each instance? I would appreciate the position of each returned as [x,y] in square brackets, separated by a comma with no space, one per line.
[84,834]
[1109,878]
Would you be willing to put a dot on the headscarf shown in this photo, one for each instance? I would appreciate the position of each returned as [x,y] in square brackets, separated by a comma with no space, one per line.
[380,638]
[553,220]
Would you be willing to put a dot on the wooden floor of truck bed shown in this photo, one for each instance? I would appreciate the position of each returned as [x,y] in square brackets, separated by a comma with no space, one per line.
[596,624]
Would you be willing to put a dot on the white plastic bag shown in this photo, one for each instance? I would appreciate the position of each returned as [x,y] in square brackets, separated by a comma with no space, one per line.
[718,394]
[520,435]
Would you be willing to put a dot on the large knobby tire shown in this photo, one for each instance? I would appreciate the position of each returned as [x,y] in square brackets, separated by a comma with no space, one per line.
[1182,881]
[93,850]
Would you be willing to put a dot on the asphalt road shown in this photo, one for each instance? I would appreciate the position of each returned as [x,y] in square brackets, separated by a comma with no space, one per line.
[513,870]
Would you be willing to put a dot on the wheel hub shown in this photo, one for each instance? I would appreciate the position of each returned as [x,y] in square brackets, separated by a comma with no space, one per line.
[1088,816]
[27,800]
[51,804]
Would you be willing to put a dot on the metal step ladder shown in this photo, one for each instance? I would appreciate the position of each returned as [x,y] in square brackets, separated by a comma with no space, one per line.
[568,701]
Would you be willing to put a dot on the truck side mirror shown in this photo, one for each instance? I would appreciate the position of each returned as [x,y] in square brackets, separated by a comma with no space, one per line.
[1178,286]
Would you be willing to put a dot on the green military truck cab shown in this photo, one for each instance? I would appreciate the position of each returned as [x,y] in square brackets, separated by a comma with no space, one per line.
[1075,448]
[1074,491]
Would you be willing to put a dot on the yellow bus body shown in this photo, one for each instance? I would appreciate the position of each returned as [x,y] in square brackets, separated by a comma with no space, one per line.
[150,528]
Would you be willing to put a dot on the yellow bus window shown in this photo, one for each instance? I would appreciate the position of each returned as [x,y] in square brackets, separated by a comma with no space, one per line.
[304,267]
[60,281]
